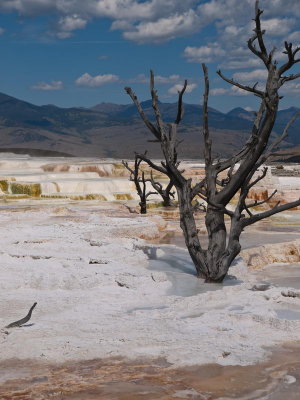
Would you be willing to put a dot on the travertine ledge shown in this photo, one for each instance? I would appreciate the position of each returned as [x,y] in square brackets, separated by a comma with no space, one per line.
[258,257]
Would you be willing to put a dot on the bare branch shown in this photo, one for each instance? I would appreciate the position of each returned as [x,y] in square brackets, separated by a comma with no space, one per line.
[198,189]
[271,55]
[269,213]
[253,89]
[258,35]
[246,208]
[22,321]
[230,163]
[159,120]
[166,193]
[149,124]
[259,203]
[207,140]
[150,193]
[199,207]
[180,106]
[151,163]
[219,207]
[212,263]
[258,30]
[289,78]
[130,209]
[157,185]
[259,178]
[291,53]
[168,189]
[245,190]
[125,163]
[276,142]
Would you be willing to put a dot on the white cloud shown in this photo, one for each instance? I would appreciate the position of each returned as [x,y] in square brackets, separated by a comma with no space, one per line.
[291,89]
[204,53]
[232,91]
[134,10]
[255,75]
[66,25]
[249,109]
[131,16]
[53,85]
[236,91]
[178,87]
[94,81]
[232,30]
[294,37]
[28,7]
[142,78]
[241,63]
[164,28]
[167,79]
[218,91]
[161,20]
[122,25]
[2,30]
[278,26]
[232,19]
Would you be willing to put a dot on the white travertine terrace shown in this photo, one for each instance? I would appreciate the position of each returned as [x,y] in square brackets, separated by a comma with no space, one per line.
[87,268]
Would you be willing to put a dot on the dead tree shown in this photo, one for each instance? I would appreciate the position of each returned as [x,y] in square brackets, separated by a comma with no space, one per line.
[212,263]
[140,182]
[166,193]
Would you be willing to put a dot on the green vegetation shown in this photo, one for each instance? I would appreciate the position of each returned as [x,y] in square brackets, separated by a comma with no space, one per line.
[14,197]
[123,196]
[155,205]
[94,196]
[118,166]
[4,186]
[91,196]
[31,189]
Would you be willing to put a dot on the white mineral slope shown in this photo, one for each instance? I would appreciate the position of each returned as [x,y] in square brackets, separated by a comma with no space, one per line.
[97,298]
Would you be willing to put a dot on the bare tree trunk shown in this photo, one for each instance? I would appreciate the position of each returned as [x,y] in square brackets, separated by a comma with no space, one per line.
[190,231]
[166,193]
[143,206]
[215,225]
[213,263]
[140,183]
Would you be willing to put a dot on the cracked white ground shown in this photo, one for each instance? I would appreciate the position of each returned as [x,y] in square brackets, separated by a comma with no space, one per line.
[97,297]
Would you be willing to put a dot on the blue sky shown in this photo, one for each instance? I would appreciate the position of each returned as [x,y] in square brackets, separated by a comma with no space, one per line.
[81,53]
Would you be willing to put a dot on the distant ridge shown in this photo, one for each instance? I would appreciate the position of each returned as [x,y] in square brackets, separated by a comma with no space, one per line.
[34,152]
[115,130]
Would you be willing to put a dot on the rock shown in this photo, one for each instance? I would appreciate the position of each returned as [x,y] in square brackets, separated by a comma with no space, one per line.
[258,257]
[159,222]
[290,293]
[226,354]
[260,287]
[289,379]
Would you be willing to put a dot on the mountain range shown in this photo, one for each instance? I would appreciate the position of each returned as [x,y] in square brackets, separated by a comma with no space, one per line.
[115,130]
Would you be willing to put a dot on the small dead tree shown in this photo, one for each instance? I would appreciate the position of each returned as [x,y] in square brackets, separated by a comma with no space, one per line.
[212,263]
[165,193]
[140,182]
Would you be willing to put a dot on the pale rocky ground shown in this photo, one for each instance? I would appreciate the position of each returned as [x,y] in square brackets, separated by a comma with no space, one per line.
[86,264]
[97,298]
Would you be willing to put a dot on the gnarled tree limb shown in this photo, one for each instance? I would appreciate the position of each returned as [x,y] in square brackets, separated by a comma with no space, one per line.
[22,321]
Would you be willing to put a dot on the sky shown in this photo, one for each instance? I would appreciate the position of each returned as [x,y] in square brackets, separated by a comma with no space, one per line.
[82,53]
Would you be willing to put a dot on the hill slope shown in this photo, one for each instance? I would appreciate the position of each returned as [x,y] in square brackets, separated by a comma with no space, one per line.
[114,130]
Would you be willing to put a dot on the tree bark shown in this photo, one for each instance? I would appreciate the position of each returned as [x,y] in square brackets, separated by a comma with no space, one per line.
[216,229]
[143,207]
[213,263]
[190,232]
